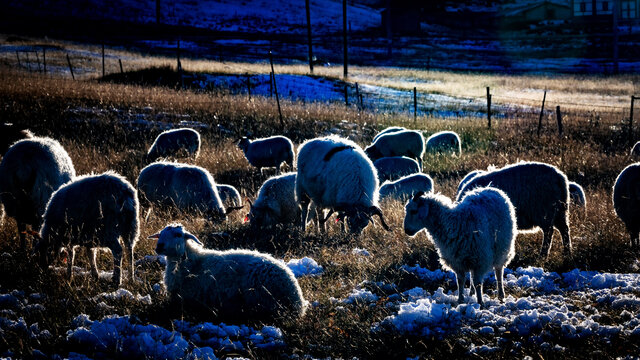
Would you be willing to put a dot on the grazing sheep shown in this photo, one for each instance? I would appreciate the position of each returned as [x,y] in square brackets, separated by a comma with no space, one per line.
[92,211]
[635,151]
[232,284]
[185,187]
[229,195]
[576,195]
[175,143]
[31,170]
[395,167]
[444,142]
[10,133]
[336,174]
[626,200]
[540,194]
[473,235]
[404,188]
[276,202]
[468,178]
[389,130]
[268,152]
[409,143]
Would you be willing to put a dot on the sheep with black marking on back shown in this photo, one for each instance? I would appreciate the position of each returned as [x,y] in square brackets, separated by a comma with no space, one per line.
[389,130]
[92,211]
[276,202]
[336,174]
[229,195]
[626,200]
[188,188]
[394,167]
[444,142]
[231,284]
[540,194]
[268,152]
[409,143]
[175,143]
[576,195]
[404,188]
[9,134]
[474,235]
[31,170]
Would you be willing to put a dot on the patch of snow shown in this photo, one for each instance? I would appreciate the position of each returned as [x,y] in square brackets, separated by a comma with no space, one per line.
[305,266]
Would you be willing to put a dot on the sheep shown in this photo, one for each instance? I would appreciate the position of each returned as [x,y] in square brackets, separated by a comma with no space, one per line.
[229,195]
[626,200]
[468,178]
[576,195]
[232,284]
[10,133]
[31,170]
[92,211]
[444,142]
[389,130]
[268,152]
[276,202]
[175,143]
[395,167]
[409,143]
[540,194]
[635,151]
[404,188]
[473,235]
[188,188]
[336,174]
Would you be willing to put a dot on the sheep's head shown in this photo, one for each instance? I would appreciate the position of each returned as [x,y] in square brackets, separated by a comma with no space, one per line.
[172,241]
[358,218]
[260,216]
[244,143]
[415,210]
[372,152]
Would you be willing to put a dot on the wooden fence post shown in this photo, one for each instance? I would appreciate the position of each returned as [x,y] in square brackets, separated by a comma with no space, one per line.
[631,120]
[489,107]
[270,84]
[44,59]
[26,53]
[559,116]
[544,97]
[415,104]
[306,4]
[70,67]
[344,37]
[357,94]
[275,88]
[121,69]
[38,60]
[18,57]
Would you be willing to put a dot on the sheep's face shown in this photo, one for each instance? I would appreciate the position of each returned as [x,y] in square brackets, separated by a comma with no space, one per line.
[358,221]
[414,211]
[244,144]
[172,241]
[260,217]
[372,152]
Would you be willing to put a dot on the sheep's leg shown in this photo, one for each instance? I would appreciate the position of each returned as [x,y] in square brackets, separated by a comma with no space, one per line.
[563,227]
[546,242]
[72,255]
[472,289]
[304,204]
[22,234]
[94,263]
[117,264]
[460,277]
[477,282]
[499,274]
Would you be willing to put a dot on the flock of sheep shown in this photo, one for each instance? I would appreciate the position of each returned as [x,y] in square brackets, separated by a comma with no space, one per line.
[473,234]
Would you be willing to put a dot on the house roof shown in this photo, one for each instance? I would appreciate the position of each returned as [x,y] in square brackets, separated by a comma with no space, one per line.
[517,9]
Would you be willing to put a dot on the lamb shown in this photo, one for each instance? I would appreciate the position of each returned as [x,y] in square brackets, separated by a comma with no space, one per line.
[468,178]
[276,202]
[229,195]
[268,152]
[626,200]
[473,235]
[31,170]
[336,174]
[635,151]
[394,167]
[232,284]
[444,142]
[175,143]
[92,211]
[540,194]
[10,133]
[187,188]
[404,188]
[389,130]
[576,195]
[409,143]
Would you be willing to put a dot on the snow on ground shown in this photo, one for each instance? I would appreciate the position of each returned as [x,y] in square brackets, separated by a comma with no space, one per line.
[305,266]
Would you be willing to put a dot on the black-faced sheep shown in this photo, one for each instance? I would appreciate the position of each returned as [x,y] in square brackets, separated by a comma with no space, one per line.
[30,171]
[336,174]
[276,202]
[10,133]
[187,188]
[395,167]
[409,143]
[268,152]
[92,211]
[175,143]
[404,188]
[232,284]
[444,142]
[474,235]
[576,195]
[229,195]
[540,194]
[626,200]
[389,130]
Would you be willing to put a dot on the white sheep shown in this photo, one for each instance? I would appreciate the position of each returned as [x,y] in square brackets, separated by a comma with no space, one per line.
[635,151]
[229,195]
[626,200]
[404,188]
[31,170]
[444,142]
[409,143]
[389,130]
[336,174]
[232,284]
[92,211]
[268,152]
[576,195]
[10,133]
[395,167]
[276,202]
[473,235]
[187,188]
[540,194]
[175,143]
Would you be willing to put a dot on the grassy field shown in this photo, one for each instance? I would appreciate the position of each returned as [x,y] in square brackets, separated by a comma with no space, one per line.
[86,116]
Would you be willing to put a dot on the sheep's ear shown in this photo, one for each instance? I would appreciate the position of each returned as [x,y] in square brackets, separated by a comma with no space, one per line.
[154,236]
[374,210]
[192,237]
